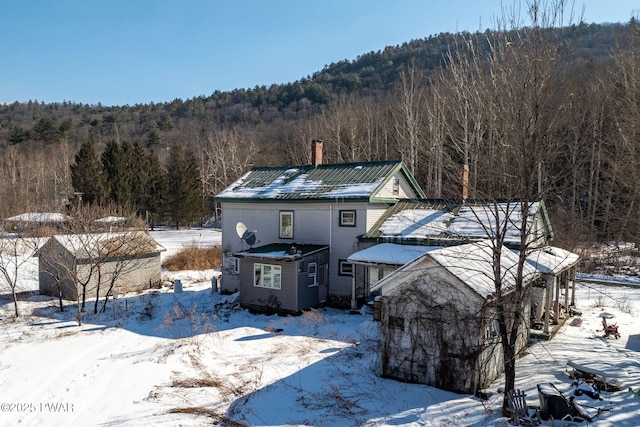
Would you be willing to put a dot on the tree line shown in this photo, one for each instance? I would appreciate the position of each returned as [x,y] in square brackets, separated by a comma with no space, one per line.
[130,179]
[436,103]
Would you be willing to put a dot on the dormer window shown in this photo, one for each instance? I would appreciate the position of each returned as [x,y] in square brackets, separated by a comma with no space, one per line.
[396,187]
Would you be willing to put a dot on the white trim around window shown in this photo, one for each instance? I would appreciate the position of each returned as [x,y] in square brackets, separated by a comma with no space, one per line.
[345,268]
[267,276]
[286,224]
[312,271]
[347,218]
[396,186]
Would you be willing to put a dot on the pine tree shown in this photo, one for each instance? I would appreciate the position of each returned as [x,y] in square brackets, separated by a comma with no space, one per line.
[185,196]
[87,176]
[149,183]
[118,173]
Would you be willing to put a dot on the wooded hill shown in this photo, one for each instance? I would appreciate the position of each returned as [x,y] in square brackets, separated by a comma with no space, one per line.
[559,105]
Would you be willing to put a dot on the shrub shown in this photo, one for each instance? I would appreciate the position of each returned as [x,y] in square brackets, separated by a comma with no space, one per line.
[194,258]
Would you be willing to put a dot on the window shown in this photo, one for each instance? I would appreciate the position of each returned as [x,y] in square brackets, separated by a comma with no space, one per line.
[286,224]
[231,265]
[235,265]
[312,271]
[345,268]
[396,323]
[396,186]
[347,218]
[494,330]
[267,276]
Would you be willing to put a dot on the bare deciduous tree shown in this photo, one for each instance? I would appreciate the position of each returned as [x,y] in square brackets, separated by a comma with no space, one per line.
[16,252]
[502,84]
[224,156]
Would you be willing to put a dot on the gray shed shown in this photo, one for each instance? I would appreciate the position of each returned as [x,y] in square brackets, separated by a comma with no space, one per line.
[99,262]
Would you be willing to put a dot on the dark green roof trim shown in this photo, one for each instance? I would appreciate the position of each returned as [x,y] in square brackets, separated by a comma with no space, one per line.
[298,201]
[409,177]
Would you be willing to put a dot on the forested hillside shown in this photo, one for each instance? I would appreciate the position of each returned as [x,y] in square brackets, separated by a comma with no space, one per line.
[562,105]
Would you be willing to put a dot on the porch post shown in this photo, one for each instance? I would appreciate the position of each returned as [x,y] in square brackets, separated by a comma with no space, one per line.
[547,302]
[565,280]
[556,306]
[573,286]
[354,302]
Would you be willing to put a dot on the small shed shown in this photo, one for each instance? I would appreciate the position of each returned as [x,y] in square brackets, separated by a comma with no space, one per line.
[438,317]
[99,263]
[32,221]
[283,278]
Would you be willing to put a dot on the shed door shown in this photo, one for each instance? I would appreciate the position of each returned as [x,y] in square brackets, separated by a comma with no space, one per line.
[323,288]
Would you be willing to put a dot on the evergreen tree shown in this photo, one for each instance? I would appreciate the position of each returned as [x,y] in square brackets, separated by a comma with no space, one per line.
[118,173]
[149,183]
[185,196]
[87,176]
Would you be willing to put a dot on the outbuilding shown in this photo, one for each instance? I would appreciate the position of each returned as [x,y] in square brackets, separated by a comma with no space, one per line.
[439,316]
[98,263]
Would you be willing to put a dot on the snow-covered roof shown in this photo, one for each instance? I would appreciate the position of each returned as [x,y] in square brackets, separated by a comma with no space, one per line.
[92,245]
[475,221]
[111,220]
[281,251]
[417,223]
[389,253]
[552,260]
[471,263]
[40,217]
[479,221]
[308,182]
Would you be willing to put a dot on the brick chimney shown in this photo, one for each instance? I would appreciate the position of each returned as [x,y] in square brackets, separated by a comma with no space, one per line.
[316,152]
[464,182]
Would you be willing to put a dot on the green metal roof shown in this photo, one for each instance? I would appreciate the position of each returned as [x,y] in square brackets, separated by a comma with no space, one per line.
[359,181]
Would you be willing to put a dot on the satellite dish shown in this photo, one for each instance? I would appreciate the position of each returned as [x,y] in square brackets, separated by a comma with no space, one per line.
[241,229]
[246,235]
[249,237]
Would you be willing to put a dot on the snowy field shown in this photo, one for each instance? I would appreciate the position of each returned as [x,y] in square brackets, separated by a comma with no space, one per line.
[194,358]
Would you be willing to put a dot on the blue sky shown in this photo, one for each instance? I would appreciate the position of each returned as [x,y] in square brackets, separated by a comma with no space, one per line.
[119,52]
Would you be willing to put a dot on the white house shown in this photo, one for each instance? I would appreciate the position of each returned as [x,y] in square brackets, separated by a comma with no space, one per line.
[317,204]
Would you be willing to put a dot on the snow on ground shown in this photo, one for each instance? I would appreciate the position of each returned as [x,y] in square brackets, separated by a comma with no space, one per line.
[194,358]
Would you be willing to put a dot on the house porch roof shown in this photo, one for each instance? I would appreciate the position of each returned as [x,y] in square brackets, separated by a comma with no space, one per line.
[389,254]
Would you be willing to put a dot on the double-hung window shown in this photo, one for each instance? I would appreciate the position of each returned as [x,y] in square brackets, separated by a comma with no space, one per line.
[347,218]
[396,186]
[286,224]
[312,271]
